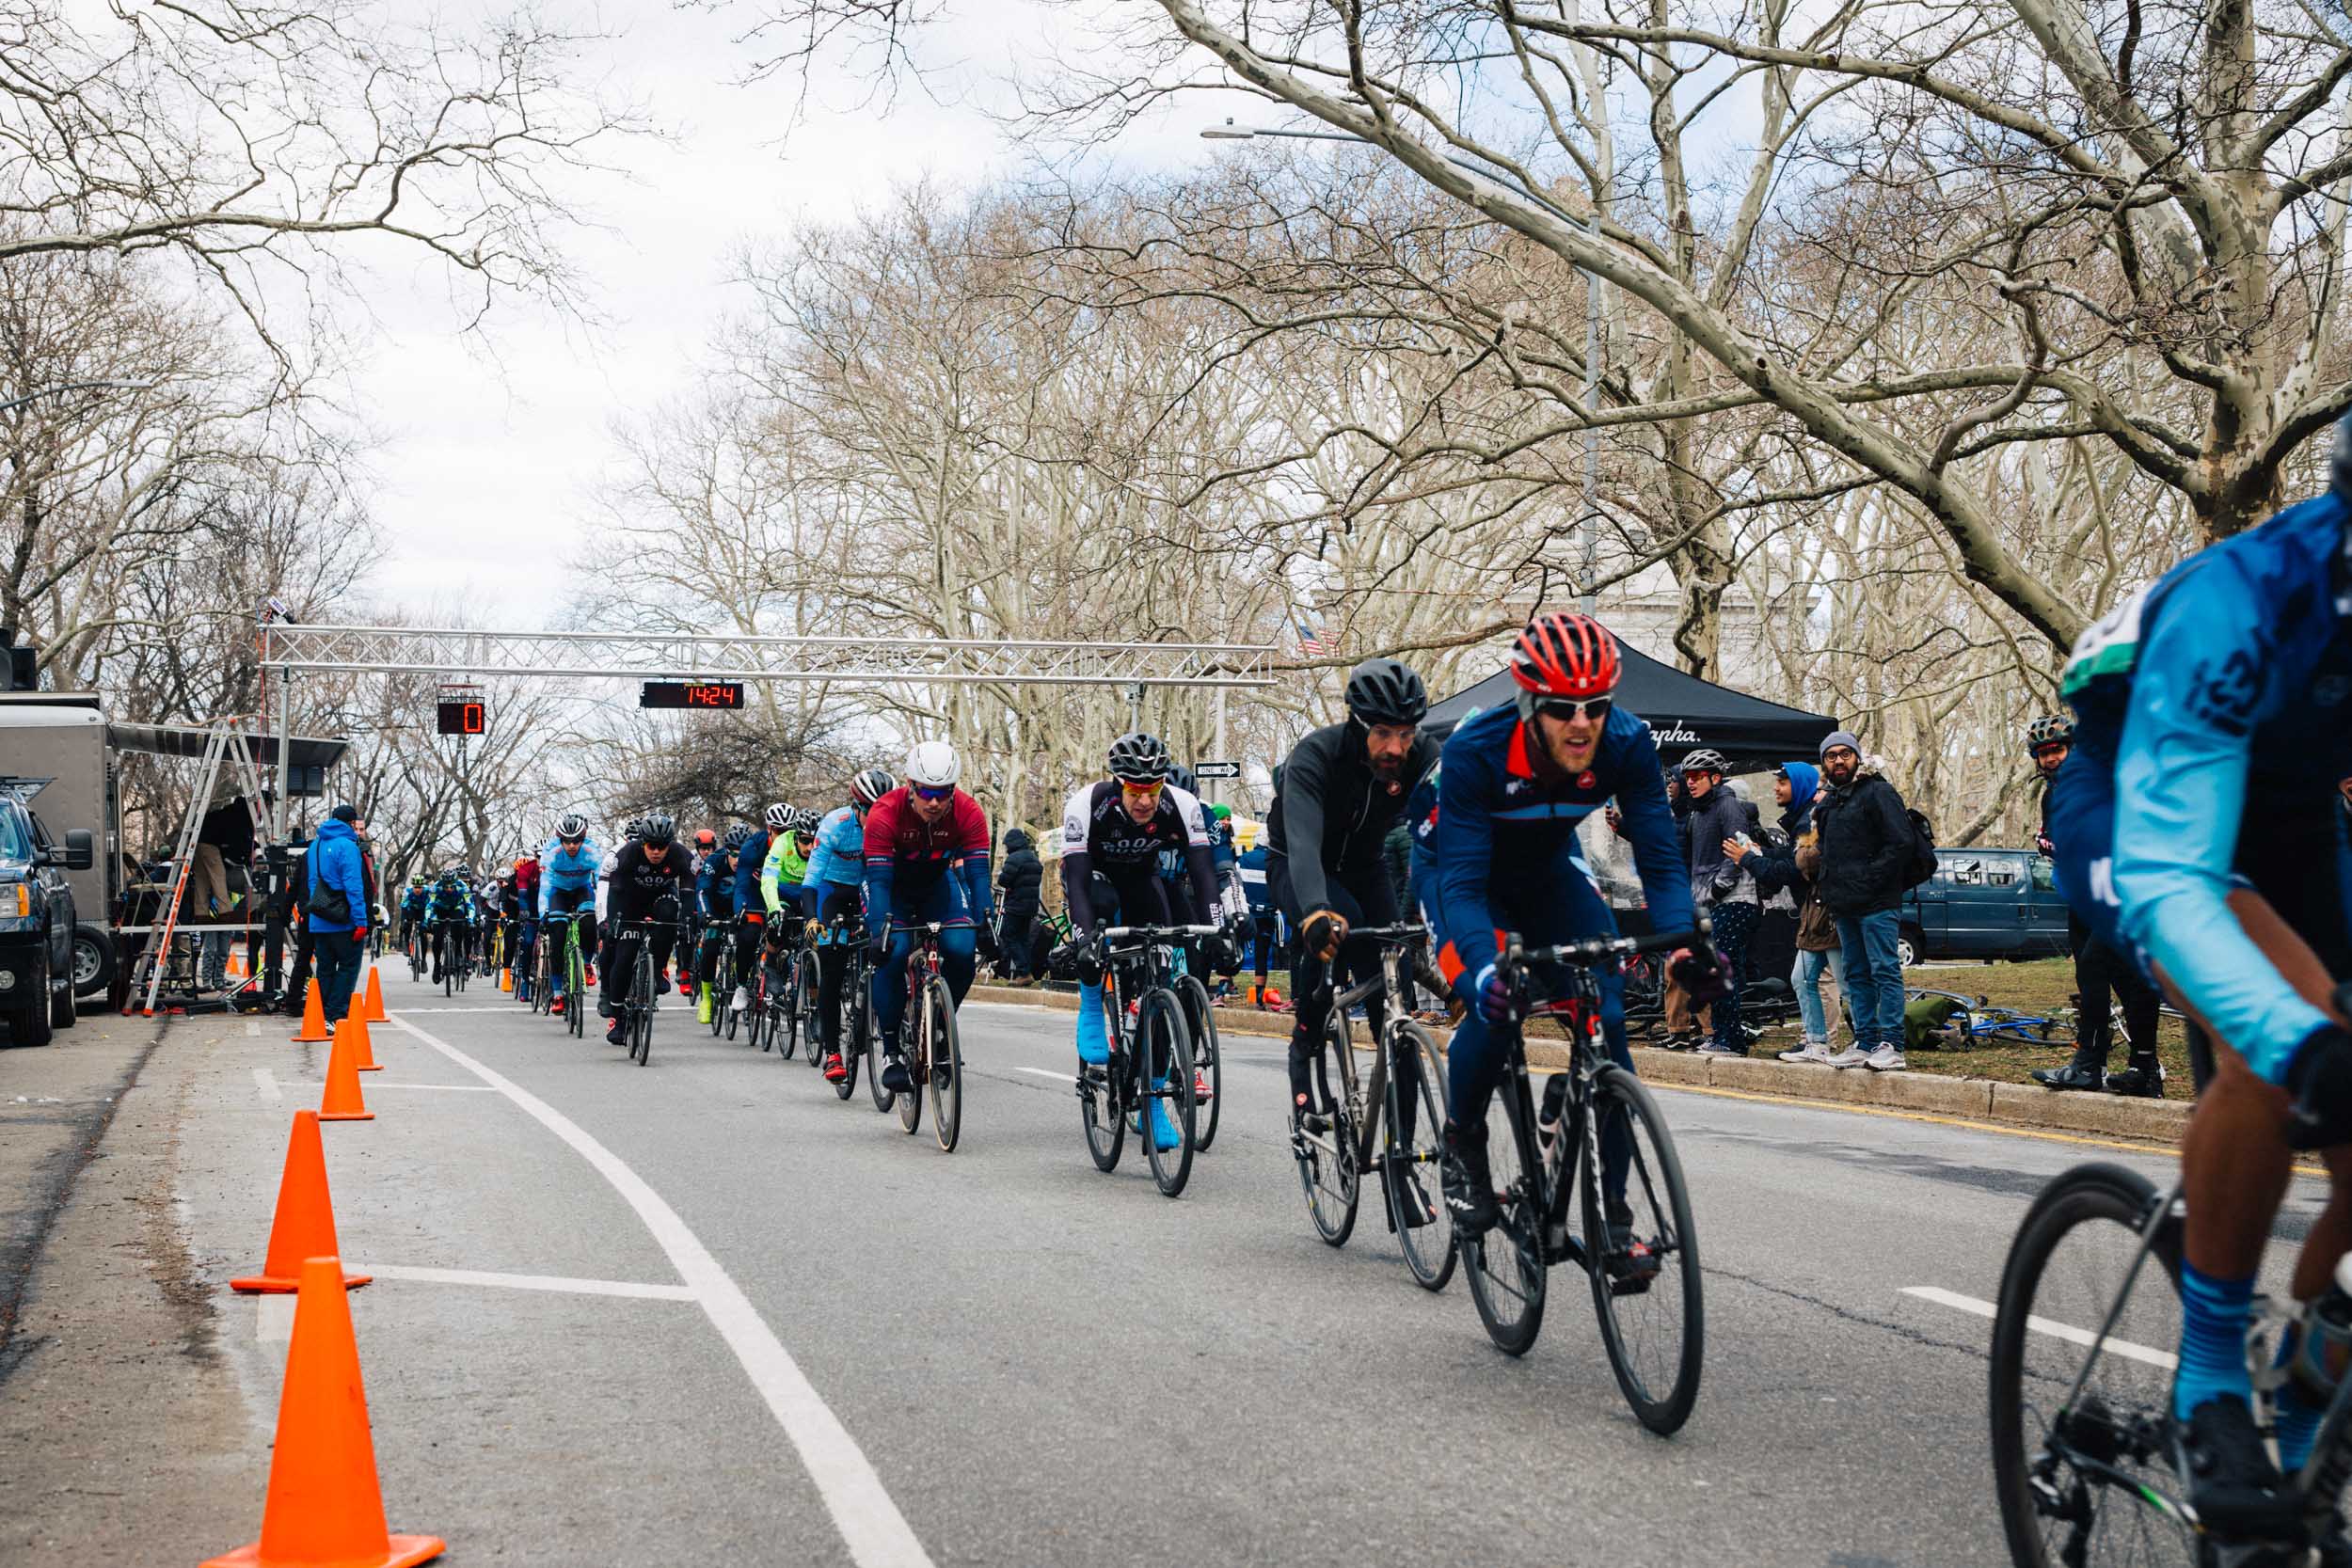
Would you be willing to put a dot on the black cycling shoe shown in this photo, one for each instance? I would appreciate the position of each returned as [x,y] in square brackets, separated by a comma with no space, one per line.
[2074,1075]
[606,1010]
[2140,1080]
[616,1035]
[1469,1184]
[661,984]
[895,1077]
[2221,1459]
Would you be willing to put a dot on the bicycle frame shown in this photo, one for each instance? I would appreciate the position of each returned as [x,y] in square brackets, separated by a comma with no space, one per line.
[1399,962]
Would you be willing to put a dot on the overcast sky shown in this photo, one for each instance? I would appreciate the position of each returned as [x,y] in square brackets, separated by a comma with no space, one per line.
[490,450]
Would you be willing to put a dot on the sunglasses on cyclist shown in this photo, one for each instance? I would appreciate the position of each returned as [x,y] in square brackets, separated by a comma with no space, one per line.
[932,792]
[1594,708]
[1142,790]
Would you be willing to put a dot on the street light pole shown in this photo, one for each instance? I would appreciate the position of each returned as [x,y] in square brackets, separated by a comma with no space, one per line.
[1589,525]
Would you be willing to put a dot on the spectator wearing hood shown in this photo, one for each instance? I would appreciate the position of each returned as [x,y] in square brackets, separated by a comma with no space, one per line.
[1720,823]
[1017,886]
[336,909]
[1866,839]
[1797,786]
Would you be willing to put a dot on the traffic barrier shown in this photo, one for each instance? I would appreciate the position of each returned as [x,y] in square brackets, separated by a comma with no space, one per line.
[363,1048]
[304,1224]
[376,997]
[325,1506]
[314,1018]
[342,1101]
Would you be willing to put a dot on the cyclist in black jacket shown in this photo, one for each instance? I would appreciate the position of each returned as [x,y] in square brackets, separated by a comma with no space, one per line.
[1342,788]
[653,876]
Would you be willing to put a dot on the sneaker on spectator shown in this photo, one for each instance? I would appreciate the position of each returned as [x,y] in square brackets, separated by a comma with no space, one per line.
[1854,1055]
[1886,1058]
[1816,1051]
[1716,1048]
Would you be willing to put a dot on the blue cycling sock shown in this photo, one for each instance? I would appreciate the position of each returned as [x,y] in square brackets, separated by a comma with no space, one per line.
[2297,1417]
[1094,1044]
[2213,1314]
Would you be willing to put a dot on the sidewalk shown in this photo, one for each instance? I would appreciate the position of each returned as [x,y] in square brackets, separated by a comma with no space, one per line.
[2159,1121]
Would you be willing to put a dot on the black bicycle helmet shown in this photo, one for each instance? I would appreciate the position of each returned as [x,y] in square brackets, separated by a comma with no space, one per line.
[571,825]
[1385,691]
[1181,776]
[1138,758]
[804,820]
[2051,729]
[656,830]
[871,785]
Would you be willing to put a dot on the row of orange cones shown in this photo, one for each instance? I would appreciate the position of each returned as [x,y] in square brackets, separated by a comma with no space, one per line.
[324,1509]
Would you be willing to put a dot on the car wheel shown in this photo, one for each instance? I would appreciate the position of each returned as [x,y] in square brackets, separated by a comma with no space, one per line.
[93,961]
[28,1024]
[61,1014]
[1907,949]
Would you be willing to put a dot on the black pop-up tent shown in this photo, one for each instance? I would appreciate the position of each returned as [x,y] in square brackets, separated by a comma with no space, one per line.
[1684,713]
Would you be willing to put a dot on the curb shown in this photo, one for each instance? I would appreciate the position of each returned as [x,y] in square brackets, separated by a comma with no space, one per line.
[2020,1105]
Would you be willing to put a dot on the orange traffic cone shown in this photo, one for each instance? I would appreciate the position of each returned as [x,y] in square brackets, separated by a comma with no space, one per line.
[234,967]
[376,996]
[363,1049]
[304,1225]
[314,1018]
[342,1101]
[506,979]
[326,1507]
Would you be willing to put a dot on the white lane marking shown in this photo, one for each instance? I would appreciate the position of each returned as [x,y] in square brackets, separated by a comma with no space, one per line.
[876,1534]
[1042,1072]
[273,1320]
[266,1083]
[2050,1327]
[251,1027]
[511,1007]
[526,1281]
[454,1089]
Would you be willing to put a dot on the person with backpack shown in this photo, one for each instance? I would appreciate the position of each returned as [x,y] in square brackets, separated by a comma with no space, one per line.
[1719,887]
[1869,841]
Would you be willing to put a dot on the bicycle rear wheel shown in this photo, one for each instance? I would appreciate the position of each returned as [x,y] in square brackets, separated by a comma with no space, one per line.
[1099,1109]
[1641,1250]
[2087,1479]
[1412,1171]
[1208,1059]
[944,1074]
[1328,1174]
[1168,1045]
[575,991]
[784,1023]
[805,983]
[915,1041]
[1506,1267]
[856,1040]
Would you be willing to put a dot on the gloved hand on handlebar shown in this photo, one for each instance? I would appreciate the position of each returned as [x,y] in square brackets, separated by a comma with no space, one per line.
[1490,992]
[1322,932]
[2319,1077]
[1700,973]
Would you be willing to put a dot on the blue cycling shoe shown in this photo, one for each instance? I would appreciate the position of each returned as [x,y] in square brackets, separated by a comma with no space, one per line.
[1164,1130]
[1094,1040]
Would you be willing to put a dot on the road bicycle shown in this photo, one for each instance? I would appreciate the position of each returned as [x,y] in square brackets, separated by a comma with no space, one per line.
[2081,1386]
[419,960]
[638,1011]
[783,1001]
[575,968]
[1208,1051]
[722,1014]
[859,1041]
[526,945]
[450,947]
[1393,1122]
[1149,1045]
[1602,1139]
[802,1020]
[1977,1021]
[933,1053]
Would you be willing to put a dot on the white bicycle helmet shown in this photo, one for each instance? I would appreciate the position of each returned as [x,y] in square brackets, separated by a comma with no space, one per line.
[779,818]
[933,764]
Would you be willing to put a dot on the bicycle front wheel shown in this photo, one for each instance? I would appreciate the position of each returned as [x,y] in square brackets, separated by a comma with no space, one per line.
[1208,1060]
[804,982]
[1326,1159]
[856,1041]
[576,993]
[1506,1266]
[1643,1252]
[916,1038]
[2086,1477]
[944,1074]
[1416,1129]
[1164,1062]
[1099,1108]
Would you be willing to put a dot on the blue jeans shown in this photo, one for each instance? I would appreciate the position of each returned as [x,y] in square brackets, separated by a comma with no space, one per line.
[1807,977]
[1874,977]
[339,970]
[943,901]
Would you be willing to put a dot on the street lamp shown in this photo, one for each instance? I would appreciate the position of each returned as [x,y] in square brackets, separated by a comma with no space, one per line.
[1230,131]
[77,387]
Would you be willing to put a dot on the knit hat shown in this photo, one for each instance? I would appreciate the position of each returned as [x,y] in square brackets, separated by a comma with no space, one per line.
[1840,738]
[345,812]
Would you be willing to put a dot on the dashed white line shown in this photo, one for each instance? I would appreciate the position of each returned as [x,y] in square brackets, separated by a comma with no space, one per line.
[527,1282]
[876,1534]
[266,1082]
[454,1089]
[2050,1327]
[1044,1073]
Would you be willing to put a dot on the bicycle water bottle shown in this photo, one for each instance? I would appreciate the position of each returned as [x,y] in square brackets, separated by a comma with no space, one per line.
[1548,1117]
[2324,1338]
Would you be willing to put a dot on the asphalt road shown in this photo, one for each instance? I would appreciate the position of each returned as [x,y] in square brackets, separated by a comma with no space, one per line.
[727,1318]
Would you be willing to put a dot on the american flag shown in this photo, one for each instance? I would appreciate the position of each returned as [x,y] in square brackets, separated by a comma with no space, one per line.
[1308,644]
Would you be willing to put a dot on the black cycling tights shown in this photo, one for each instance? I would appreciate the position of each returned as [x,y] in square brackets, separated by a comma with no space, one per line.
[1366,900]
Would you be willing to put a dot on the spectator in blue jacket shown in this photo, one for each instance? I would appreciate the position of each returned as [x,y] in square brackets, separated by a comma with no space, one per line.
[334,867]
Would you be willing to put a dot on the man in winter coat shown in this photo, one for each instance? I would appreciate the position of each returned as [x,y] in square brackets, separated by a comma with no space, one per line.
[1017,886]
[334,867]
[1796,786]
[1866,843]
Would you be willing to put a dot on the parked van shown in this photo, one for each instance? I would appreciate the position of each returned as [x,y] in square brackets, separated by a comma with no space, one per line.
[1984,904]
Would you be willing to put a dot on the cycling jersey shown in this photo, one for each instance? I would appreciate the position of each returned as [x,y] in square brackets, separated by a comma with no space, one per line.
[527,882]
[2211,711]
[840,856]
[1331,811]
[573,871]
[1098,835]
[450,901]
[642,878]
[412,904]
[748,862]
[782,873]
[907,857]
[714,886]
[1497,820]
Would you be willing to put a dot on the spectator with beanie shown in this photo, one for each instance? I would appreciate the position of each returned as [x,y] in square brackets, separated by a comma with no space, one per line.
[1866,844]
[336,908]
[1719,888]
[1017,886]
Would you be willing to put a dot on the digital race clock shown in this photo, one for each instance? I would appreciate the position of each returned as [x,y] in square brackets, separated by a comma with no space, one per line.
[691,694]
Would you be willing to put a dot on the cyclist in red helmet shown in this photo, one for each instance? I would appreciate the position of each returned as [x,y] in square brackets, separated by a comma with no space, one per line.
[1513,782]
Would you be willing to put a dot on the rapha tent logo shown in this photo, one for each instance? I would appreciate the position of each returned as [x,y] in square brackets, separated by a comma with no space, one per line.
[1677,733]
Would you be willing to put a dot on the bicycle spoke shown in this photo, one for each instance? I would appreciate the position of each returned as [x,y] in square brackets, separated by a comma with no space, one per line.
[1643,1251]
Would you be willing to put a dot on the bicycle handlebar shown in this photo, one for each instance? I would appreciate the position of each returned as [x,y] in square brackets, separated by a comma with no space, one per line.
[1404,930]
[1595,950]
[1155,933]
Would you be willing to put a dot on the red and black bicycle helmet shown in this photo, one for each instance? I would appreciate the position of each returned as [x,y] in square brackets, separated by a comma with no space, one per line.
[1565,655]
